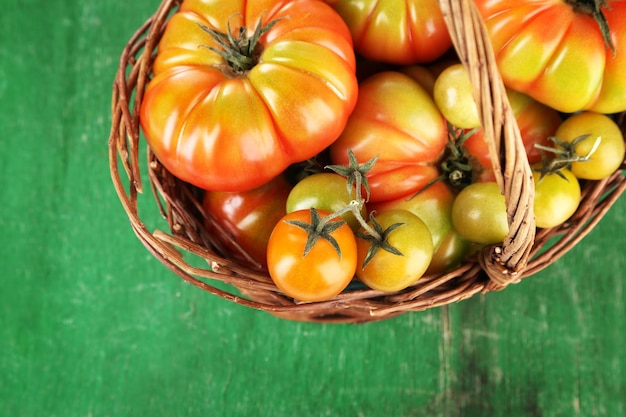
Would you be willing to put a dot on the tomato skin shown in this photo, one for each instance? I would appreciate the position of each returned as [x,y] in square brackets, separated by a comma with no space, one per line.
[479,213]
[397,120]
[389,272]
[550,51]
[319,275]
[452,251]
[453,95]
[433,205]
[423,75]
[248,217]
[613,91]
[396,31]
[324,191]
[556,198]
[608,156]
[225,131]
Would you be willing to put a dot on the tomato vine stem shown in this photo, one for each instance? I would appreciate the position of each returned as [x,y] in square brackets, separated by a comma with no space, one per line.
[565,155]
[356,183]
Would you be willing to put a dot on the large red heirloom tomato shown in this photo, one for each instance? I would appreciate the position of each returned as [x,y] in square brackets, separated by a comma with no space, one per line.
[232,117]
[555,51]
[396,31]
[396,120]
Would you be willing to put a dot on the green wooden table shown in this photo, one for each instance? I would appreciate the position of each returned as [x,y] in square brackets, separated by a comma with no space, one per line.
[92,326]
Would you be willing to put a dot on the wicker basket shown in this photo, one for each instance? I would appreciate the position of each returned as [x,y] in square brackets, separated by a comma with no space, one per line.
[524,252]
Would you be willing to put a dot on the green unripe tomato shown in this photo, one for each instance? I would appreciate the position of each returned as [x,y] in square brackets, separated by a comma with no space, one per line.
[479,213]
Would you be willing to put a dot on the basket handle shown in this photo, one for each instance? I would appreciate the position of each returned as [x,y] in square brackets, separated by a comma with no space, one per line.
[503,263]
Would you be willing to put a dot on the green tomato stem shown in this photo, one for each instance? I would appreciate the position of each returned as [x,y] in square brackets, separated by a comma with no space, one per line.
[593,8]
[565,154]
[354,207]
[355,174]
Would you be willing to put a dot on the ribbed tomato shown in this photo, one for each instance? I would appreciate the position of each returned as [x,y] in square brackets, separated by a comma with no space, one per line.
[396,31]
[555,51]
[397,120]
[230,115]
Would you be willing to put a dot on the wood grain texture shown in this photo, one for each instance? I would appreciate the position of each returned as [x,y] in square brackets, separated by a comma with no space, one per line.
[91,325]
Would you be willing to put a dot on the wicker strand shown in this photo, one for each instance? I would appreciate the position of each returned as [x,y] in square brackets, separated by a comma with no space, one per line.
[504,263]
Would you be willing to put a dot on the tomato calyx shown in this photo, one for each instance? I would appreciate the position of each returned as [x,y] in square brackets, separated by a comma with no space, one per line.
[300,170]
[565,155]
[355,175]
[593,8]
[457,168]
[240,51]
[379,240]
[319,228]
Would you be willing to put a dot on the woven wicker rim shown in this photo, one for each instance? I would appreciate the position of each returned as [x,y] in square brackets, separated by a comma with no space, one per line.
[524,252]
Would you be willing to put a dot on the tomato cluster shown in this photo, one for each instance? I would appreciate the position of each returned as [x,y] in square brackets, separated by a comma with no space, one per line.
[338,141]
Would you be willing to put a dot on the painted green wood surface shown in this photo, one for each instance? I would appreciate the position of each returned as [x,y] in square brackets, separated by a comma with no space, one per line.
[92,326]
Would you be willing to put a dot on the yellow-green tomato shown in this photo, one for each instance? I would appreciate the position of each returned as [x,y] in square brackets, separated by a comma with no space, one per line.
[600,128]
[389,272]
[324,191]
[433,205]
[556,198]
[479,213]
[454,97]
